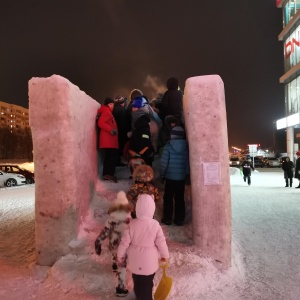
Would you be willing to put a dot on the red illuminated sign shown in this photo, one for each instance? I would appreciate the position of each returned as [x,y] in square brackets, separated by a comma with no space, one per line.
[289,46]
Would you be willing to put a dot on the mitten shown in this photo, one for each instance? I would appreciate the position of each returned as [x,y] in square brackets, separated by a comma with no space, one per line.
[98,247]
[114,132]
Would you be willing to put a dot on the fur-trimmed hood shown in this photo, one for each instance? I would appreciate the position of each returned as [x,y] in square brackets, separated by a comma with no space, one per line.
[120,208]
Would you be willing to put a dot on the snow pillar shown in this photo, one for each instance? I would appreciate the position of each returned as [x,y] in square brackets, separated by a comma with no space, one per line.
[62,120]
[206,125]
[290,144]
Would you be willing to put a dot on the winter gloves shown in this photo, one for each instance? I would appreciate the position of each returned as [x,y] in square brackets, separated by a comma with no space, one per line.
[98,247]
[114,132]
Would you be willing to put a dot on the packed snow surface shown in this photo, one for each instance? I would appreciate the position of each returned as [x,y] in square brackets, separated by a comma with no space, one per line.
[265,248]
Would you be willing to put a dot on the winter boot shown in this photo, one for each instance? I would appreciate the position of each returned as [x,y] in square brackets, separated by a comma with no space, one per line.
[114,267]
[121,292]
[286,183]
[291,182]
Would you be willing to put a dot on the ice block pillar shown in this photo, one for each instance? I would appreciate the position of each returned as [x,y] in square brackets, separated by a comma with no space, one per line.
[206,126]
[62,120]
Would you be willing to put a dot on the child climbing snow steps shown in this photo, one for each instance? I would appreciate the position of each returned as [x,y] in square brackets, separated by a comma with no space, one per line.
[117,222]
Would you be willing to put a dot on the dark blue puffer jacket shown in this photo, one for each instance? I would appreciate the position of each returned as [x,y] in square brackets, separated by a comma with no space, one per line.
[174,162]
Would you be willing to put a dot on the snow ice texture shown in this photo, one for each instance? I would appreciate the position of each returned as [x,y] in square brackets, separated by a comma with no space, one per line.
[265,252]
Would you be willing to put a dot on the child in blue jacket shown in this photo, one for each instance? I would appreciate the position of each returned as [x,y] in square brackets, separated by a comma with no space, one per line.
[174,167]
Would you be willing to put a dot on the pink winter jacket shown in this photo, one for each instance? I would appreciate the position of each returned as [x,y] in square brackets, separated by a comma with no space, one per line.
[144,241]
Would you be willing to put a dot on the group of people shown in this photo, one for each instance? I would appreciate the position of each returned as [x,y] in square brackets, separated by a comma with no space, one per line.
[287,167]
[138,130]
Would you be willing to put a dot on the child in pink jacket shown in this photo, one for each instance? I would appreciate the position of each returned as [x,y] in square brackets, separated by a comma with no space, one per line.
[143,243]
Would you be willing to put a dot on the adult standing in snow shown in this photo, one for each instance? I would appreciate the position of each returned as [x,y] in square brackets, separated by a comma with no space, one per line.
[172,100]
[140,144]
[120,116]
[108,140]
[174,168]
[297,168]
[115,225]
[287,167]
[143,242]
[247,166]
[134,93]
[140,107]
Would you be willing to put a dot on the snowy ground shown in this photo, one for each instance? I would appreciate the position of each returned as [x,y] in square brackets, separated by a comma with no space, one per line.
[265,256]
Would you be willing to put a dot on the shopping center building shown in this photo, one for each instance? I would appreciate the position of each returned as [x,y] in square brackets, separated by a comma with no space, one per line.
[290,36]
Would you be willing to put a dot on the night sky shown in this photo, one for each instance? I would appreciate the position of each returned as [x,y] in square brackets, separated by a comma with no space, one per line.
[109,47]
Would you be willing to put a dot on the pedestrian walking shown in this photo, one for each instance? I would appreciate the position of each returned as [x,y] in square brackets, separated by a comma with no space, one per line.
[246,167]
[288,168]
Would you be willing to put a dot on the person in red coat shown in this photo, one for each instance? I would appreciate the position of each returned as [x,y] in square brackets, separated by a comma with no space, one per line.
[108,139]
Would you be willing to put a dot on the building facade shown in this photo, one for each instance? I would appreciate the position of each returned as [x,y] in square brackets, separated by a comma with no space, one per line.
[14,117]
[290,36]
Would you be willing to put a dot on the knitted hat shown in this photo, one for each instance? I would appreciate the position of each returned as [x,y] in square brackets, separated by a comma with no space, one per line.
[121,199]
[143,173]
[177,133]
[108,101]
[119,99]
[137,102]
[298,153]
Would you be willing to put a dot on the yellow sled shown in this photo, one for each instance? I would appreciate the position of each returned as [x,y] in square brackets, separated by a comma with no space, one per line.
[165,285]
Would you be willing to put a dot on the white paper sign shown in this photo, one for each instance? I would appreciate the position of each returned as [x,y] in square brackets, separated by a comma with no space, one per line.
[212,173]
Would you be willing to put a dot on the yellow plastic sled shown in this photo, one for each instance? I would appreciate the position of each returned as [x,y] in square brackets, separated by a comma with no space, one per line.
[165,285]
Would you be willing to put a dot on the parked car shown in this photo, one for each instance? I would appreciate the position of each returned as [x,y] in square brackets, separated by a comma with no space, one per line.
[272,162]
[258,162]
[234,161]
[18,170]
[11,179]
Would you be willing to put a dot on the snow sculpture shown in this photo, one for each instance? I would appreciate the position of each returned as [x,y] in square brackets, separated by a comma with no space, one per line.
[62,120]
[206,125]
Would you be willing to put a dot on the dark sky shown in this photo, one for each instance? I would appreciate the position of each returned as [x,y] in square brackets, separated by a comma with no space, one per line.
[108,47]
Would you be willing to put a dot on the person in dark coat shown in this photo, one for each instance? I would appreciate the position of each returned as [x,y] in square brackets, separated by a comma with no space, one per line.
[108,139]
[247,166]
[140,142]
[288,167]
[121,118]
[297,168]
[174,168]
[133,94]
[172,100]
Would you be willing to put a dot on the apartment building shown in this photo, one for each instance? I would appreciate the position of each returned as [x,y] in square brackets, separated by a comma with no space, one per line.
[13,116]
[290,36]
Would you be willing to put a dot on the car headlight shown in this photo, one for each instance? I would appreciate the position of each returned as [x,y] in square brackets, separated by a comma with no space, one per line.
[21,176]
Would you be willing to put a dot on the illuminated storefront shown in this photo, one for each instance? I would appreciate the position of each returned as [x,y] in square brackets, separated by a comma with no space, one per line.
[290,36]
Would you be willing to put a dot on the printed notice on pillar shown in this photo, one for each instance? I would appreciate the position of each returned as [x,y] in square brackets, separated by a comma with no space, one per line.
[212,173]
